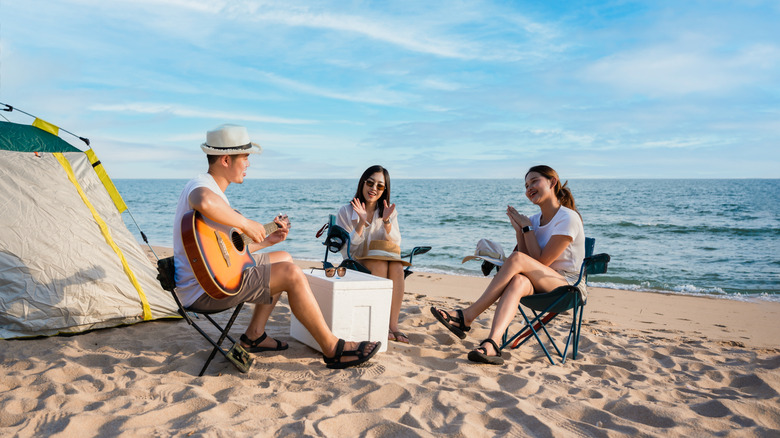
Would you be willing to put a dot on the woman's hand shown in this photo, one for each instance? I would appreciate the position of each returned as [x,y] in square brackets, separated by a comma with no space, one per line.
[388,211]
[518,220]
[360,210]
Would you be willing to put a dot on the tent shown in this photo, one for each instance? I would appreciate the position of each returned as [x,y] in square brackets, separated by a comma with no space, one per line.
[68,263]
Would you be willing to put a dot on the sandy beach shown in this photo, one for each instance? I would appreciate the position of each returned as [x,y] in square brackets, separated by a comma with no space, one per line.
[650,365]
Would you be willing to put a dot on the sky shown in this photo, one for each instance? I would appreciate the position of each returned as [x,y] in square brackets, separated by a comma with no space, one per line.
[428,89]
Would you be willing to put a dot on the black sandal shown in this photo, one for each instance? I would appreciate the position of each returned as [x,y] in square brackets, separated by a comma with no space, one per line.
[396,336]
[482,357]
[336,363]
[447,321]
[254,346]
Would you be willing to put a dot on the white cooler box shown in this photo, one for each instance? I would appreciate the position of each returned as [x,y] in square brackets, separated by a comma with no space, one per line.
[356,307]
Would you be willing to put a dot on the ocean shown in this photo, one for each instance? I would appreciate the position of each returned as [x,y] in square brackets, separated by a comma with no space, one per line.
[712,237]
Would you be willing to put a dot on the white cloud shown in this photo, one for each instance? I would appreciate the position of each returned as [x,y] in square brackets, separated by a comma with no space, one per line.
[434,30]
[672,70]
[181,111]
[378,95]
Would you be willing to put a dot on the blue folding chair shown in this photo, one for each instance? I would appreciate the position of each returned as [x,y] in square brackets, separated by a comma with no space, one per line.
[335,240]
[548,306]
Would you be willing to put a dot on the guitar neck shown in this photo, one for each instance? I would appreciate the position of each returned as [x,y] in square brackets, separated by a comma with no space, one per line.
[270,227]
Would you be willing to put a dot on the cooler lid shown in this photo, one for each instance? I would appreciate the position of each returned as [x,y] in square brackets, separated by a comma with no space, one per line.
[351,280]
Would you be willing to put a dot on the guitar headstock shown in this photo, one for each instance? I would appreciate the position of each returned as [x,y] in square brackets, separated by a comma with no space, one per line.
[283,219]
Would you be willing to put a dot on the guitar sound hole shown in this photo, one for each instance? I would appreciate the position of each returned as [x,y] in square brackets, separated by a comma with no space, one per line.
[238,242]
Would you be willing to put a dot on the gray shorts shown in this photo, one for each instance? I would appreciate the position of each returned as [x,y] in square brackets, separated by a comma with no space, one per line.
[571,278]
[255,289]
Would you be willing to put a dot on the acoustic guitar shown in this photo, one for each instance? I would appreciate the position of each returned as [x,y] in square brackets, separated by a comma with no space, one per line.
[218,254]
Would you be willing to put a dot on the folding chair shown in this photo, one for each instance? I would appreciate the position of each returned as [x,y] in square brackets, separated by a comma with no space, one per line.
[337,237]
[236,355]
[547,306]
[417,250]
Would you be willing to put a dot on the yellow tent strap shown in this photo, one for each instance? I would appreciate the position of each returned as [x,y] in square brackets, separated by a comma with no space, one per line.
[46,126]
[110,187]
[104,229]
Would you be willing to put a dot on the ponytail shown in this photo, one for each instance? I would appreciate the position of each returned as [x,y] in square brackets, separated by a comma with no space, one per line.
[563,193]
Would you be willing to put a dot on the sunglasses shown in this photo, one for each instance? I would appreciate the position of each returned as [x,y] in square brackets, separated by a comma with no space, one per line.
[341,271]
[379,186]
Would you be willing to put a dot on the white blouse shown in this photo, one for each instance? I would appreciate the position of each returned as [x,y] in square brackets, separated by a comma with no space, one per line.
[347,218]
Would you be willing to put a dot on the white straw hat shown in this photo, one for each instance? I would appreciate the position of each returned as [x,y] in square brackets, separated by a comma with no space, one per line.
[488,250]
[384,250]
[229,140]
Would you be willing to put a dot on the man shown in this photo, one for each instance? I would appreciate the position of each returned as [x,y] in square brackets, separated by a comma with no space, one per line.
[227,148]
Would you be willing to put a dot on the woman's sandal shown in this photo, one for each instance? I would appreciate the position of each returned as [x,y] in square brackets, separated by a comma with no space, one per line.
[336,363]
[254,346]
[397,336]
[482,357]
[447,321]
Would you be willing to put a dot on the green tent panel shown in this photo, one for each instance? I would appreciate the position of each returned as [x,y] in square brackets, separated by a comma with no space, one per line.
[27,138]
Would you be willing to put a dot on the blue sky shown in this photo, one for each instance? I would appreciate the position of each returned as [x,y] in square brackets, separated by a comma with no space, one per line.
[430,89]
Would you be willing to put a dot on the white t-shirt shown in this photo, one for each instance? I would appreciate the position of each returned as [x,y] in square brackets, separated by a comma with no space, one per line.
[187,287]
[565,223]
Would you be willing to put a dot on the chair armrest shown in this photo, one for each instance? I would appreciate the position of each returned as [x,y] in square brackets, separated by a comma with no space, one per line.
[416,251]
[596,264]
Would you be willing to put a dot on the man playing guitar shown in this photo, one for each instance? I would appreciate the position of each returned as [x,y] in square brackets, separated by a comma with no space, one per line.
[227,148]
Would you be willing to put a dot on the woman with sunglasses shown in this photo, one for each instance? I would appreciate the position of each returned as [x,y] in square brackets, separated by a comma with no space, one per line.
[372,224]
[549,252]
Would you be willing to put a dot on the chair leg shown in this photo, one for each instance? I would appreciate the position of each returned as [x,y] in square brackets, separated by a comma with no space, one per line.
[575,330]
[577,334]
[524,334]
[572,331]
[552,341]
[540,320]
[538,339]
[223,334]
[519,338]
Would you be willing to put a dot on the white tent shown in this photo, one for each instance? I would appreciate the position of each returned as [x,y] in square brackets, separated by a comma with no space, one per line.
[68,263]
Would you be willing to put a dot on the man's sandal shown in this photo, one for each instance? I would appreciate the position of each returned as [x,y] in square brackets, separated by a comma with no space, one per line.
[362,357]
[254,346]
[478,356]
[447,321]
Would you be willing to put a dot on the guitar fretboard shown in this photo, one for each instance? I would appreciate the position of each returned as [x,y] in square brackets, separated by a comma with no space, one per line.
[270,227]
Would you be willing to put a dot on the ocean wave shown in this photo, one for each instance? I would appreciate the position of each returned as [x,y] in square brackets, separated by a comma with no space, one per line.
[690,290]
[704,229]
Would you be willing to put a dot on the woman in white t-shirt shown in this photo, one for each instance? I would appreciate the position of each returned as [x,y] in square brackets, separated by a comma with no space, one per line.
[549,252]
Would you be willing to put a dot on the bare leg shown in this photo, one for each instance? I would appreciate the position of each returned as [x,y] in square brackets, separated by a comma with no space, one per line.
[396,273]
[542,278]
[263,311]
[286,276]
[393,271]
[506,310]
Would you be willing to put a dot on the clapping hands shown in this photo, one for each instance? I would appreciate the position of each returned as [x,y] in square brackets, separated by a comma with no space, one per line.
[360,210]
[517,220]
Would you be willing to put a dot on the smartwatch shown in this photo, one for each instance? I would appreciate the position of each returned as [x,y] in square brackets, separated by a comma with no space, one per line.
[526,229]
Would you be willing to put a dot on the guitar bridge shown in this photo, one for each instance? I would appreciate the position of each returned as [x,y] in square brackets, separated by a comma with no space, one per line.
[222,248]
